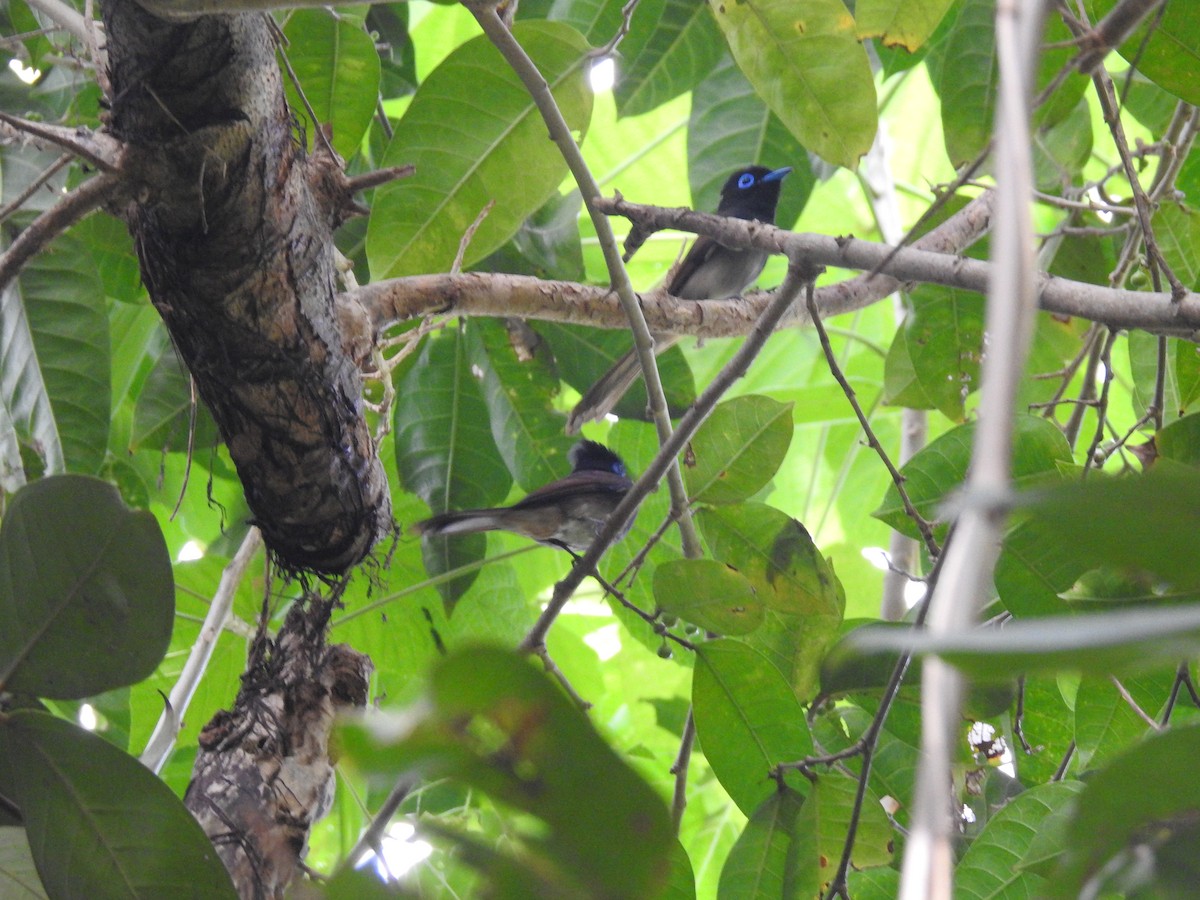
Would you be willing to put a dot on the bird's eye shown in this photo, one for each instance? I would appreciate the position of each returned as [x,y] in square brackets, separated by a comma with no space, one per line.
[745,181]
[618,468]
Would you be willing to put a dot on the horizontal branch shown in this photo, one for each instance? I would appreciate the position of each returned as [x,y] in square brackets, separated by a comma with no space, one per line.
[101,150]
[931,260]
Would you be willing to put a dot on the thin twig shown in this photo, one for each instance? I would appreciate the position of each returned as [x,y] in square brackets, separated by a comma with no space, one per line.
[162,739]
[101,150]
[372,836]
[49,172]
[465,241]
[1133,704]
[920,521]
[41,231]
[539,91]
[667,455]
[680,769]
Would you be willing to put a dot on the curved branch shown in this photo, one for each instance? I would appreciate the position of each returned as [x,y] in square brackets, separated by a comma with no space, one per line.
[931,260]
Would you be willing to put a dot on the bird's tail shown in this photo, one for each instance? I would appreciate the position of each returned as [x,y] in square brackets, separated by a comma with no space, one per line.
[606,393]
[467,521]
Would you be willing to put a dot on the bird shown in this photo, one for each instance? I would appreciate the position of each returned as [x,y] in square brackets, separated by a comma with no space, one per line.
[709,271]
[567,513]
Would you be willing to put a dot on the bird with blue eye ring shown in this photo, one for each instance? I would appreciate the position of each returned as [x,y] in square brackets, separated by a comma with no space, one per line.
[567,513]
[709,271]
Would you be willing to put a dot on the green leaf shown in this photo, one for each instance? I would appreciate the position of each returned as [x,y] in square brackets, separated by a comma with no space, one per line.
[933,473]
[708,594]
[808,66]
[18,875]
[900,23]
[1180,440]
[1149,788]
[777,554]
[757,866]
[801,594]
[527,430]
[991,866]
[445,453]
[87,597]
[1171,56]
[730,127]
[1177,231]
[673,45]
[944,337]
[747,718]
[99,820]
[473,134]
[64,305]
[584,354]
[493,722]
[738,449]
[966,81]
[821,828]
[1105,723]
[337,65]
[163,413]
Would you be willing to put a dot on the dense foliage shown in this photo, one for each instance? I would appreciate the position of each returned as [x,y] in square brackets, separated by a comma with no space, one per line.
[1078,733]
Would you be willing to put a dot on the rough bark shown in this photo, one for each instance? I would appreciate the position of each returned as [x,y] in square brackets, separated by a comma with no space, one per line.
[233,227]
[263,774]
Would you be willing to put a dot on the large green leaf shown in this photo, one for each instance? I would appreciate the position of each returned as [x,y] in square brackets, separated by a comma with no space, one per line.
[707,593]
[1171,56]
[991,866]
[18,872]
[747,718]
[518,392]
[943,346]
[99,823]
[821,828]
[475,136]
[337,65]
[64,301]
[495,724]
[86,598]
[1148,789]
[738,449]
[904,23]
[967,81]
[730,127]
[807,65]
[445,453]
[933,473]
[757,866]
[672,46]
[802,597]
[168,415]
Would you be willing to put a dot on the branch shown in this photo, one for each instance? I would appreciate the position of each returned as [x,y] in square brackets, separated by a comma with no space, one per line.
[64,15]
[101,150]
[539,91]
[667,455]
[53,222]
[482,294]
[970,557]
[162,740]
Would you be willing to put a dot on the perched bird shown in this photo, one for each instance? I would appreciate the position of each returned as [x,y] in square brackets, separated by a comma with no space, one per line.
[567,513]
[709,271]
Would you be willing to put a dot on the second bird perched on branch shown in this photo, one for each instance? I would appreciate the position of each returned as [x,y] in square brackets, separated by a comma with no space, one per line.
[710,271]
[567,513]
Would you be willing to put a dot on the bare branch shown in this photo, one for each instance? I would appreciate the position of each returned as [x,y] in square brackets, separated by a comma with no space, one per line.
[101,150]
[53,222]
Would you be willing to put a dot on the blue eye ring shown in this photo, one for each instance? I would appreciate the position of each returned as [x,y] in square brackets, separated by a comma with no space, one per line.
[745,181]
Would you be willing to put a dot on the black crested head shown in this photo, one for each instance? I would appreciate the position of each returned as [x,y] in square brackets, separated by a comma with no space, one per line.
[752,193]
[588,455]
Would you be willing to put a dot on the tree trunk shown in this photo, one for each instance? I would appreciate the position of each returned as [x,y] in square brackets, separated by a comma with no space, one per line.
[233,226]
